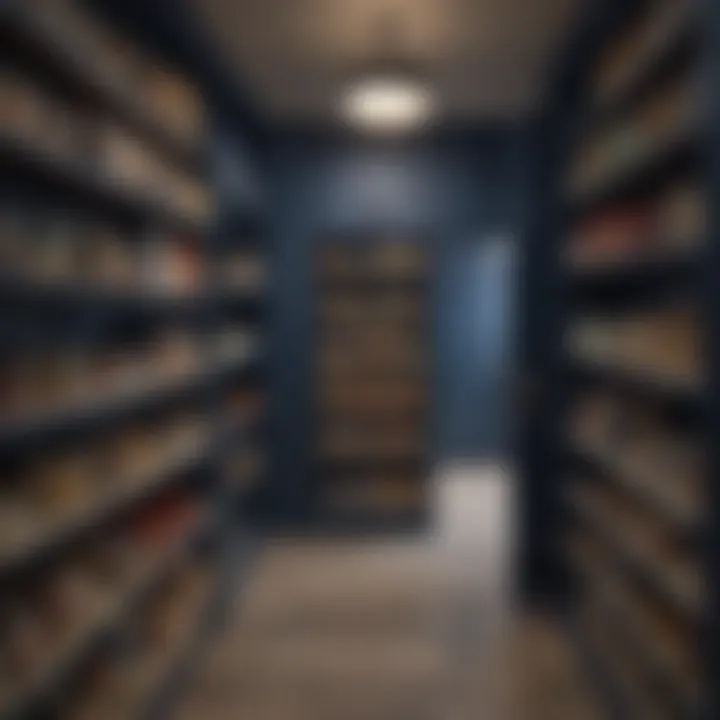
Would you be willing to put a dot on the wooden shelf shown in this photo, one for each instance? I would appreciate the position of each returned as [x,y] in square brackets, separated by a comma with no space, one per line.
[64,531]
[158,674]
[97,299]
[648,76]
[88,187]
[603,679]
[637,281]
[684,394]
[81,645]
[646,173]
[677,519]
[661,676]
[638,568]
[36,38]
[116,406]
[116,301]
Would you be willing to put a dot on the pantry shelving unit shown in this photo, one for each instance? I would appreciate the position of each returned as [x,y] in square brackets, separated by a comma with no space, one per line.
[372,384]
[244,431]
[41,41]
[622,435]
[116,365]
[82,184]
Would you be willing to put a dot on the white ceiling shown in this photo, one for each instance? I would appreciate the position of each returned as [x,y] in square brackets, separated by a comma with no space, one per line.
[486,58]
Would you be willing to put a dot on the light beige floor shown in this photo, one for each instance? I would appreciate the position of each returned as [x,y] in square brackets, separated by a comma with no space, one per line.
[414,629]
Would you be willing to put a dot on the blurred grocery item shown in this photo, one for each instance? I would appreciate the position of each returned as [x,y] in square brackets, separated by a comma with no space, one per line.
[666,345]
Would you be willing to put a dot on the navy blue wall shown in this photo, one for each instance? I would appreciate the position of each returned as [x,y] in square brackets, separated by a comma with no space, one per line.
[457,191]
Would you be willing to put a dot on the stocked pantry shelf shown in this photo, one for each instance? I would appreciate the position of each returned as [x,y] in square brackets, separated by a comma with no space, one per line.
[59,533]
[372,393]
[117,407]
[652,653]
[643,689]
[91,187]
[606,684]
[680,516]
[639,567]
[153,675]
[672,47]
[34,33]
[63,664]
[645,173]
[174,668]
[133,366]
[683,395]
[629,240]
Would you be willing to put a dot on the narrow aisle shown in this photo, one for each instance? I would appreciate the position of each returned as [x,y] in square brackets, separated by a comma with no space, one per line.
[390,629]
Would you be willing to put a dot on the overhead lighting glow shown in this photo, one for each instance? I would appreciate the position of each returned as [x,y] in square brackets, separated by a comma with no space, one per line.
[387,104]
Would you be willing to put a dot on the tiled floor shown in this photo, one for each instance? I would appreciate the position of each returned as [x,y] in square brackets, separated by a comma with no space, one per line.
[414,629]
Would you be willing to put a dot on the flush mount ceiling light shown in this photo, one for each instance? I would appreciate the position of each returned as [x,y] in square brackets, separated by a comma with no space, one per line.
[388,96]
[388,103]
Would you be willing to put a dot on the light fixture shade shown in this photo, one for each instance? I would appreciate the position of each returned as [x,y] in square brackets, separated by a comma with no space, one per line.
[388,104]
